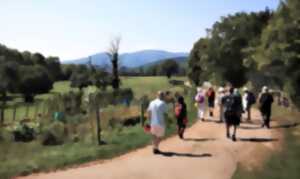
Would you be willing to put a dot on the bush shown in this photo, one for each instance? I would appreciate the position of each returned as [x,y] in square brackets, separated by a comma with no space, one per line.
[54,134]
[24,133]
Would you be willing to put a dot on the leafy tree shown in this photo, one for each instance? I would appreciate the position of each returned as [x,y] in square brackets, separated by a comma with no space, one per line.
[278,55]
[80,77]
[222,55]
[101,79]
[8,82]
[54,68]
[169,68]
[34,80]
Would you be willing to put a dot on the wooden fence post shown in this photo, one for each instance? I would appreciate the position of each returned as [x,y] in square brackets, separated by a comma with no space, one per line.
[27,110]
[98,124]
[14,112]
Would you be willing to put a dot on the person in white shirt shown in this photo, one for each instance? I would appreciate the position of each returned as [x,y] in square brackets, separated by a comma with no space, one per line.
[200,103]
[221,94]
[156,113]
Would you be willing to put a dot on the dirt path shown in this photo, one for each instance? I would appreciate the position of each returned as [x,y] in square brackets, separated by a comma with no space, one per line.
[206,153]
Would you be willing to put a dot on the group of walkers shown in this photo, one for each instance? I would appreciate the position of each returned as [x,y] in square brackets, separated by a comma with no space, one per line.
[231,105]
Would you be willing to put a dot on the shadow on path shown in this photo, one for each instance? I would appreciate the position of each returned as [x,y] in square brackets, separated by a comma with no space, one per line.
[199,139]
[174,154]
[257,139]
[250,127]
[286,126]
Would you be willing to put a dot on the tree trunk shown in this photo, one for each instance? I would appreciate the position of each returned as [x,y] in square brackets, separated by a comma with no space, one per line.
[14,113]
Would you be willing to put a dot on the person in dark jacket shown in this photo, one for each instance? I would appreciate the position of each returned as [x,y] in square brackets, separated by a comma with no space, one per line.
[181,116]
[232,112]
[265,106]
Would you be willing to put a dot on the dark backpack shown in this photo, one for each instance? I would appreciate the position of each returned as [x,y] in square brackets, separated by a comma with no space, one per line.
[251,98]
[230,103]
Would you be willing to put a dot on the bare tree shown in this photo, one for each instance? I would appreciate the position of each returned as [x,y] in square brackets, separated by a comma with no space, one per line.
[113,53]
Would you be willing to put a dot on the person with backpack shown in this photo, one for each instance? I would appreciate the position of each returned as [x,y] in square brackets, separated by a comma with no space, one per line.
[181,116]
[232,112]
[248,100]
[200,103]
[265,106]
[211,100]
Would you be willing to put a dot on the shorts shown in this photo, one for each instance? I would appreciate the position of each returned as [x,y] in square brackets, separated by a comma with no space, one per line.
[181,123]
[211,103]
[157,130]
[232,119]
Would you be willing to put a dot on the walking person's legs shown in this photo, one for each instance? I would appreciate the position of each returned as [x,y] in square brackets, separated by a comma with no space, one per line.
[221,113]
[227,130]
[249,113]
[155,142]
[234,133]
[268,119]
[201,113]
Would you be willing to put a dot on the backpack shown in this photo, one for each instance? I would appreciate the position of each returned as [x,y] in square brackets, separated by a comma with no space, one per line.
[251,98]
[229,103]
[200,99]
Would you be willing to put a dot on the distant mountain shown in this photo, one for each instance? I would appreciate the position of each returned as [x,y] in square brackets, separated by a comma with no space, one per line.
[182,61]
[130,60]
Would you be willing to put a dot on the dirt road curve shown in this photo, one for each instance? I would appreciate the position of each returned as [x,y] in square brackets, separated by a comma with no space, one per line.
[206,153]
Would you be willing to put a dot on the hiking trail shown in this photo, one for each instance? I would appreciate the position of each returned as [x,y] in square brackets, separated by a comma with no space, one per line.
[205,153]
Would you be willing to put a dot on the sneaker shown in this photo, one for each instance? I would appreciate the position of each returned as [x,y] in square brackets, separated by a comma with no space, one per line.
[233,138]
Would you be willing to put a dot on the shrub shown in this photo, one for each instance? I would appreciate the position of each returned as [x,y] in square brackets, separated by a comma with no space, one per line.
[54,134]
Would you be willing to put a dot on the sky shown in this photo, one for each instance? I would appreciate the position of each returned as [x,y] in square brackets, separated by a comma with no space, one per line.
[71,29]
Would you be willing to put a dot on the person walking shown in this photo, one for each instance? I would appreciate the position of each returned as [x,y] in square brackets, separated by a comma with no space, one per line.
[239,102]
[200,103]
[211,100]
[181,116]
[265,106]
[248,100]
[221,94]
[232,112]
[156,113]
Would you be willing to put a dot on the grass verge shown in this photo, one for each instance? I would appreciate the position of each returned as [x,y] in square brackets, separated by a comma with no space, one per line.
[283,165]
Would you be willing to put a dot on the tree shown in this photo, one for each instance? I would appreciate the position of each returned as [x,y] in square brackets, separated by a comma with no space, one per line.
[221,55]
[100,79]
[80,77]
[113,54]
[34,80]
[8,82]
[169,68]
[278,54]
[54,68]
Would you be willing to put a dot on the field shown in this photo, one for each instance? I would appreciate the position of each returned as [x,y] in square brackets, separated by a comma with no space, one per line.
[25,158]
[141,86]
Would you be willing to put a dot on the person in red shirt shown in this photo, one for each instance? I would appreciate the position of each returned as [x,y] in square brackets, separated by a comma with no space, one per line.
[211,100]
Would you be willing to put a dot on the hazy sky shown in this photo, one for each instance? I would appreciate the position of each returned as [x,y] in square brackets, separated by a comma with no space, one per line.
[76,28]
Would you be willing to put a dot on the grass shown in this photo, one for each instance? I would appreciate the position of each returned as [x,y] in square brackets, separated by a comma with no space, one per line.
[283,165]
[25,158]
[139,85]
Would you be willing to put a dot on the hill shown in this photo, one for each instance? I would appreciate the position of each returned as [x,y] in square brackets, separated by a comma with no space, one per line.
[130,60]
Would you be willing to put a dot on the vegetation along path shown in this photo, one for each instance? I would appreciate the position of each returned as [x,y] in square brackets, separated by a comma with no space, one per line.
[205,153]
